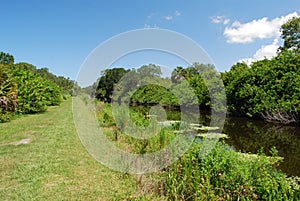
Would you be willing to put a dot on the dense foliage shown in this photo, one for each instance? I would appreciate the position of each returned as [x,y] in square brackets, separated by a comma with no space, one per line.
[35,93]
[25,89]
[107,82]
[227,175]
[154,94]
[291,34]
[65,84]
[266,88]
[146,85]
[6,58]
[193,76]
[8,94]
[206,84]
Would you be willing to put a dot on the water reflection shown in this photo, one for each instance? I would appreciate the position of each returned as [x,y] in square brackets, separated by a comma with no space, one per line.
[252,135]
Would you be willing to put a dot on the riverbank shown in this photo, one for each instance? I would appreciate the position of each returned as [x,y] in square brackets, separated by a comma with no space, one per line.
[221,174]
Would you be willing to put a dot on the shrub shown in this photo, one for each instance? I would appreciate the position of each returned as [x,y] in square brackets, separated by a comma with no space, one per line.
[226,175]
[8,94]
[34,92]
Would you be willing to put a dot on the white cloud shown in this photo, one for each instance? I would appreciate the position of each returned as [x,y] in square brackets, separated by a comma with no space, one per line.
[220,20]
[226,21]
[168,17]
[216,19]
[148,26]
[266,51]
[257,29]
[177,13]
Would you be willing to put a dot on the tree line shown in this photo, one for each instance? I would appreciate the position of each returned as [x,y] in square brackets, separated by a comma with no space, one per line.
[25,89]
[269,88]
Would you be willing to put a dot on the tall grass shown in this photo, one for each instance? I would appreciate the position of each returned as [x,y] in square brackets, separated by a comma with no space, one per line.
[226,175]
[132,131]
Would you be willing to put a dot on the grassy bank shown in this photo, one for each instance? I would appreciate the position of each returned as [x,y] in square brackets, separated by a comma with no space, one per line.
[223,174]
[54,165]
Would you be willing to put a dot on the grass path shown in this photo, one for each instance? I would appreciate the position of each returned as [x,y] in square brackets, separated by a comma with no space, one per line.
[54,165]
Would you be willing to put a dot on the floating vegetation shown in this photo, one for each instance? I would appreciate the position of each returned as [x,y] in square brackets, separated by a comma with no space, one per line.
[212,135]
[205,128]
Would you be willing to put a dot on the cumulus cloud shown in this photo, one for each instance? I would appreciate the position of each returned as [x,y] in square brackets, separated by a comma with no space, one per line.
[220,20]
[262,28]
[266,51]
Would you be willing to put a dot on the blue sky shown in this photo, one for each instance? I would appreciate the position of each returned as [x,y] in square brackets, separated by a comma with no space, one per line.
[59,35]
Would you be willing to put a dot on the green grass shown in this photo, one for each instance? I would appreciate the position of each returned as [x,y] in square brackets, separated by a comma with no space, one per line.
[55,165]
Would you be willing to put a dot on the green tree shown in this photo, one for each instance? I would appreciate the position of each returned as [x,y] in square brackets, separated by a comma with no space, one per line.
[65,83]
[235,81]
[178,74]
[8,94]
[291,34]
[268,89]
[26,66]
[6,58]
[144,85]
[206,83]
[109,78]
[154,94]
[26,89]
[35,93]
[150,70]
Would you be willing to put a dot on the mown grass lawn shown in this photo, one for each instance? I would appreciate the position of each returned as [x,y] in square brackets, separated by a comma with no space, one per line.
[54,165]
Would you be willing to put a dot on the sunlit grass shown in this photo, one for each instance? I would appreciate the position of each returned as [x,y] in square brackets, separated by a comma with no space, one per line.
[54,165]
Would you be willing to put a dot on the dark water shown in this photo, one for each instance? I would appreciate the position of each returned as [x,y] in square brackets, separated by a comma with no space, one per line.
[250,136]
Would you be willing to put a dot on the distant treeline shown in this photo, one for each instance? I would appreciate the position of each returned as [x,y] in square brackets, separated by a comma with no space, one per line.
[268,88]
[26,89]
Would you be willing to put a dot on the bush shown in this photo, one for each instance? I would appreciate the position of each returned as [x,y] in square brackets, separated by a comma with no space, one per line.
[5,116]
[35,93]
[25,89]
[104,113]
[226,175]
[8,94]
